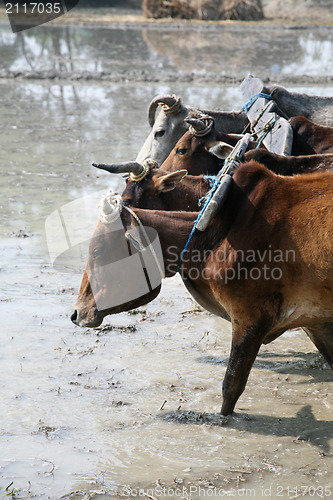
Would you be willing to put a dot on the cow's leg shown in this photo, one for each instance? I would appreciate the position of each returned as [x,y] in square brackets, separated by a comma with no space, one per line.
[244,349]
[322,337]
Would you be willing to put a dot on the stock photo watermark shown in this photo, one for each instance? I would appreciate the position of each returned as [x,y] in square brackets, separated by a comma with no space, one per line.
[25,15]
[197,491]
[227,264]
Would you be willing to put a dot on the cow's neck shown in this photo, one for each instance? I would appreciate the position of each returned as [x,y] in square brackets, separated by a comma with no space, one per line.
[235,121]
[173,227]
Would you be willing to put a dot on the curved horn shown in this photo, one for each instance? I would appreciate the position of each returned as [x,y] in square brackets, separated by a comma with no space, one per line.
[168,101]
[118,168]
[196,124]
[200,126]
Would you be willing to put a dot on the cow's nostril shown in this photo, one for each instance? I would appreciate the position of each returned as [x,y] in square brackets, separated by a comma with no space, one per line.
[74,316]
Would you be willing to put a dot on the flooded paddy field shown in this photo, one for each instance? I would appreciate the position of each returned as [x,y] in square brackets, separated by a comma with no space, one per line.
[131,409]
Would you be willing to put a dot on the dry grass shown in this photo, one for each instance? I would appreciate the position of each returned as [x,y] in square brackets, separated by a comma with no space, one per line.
[204,9]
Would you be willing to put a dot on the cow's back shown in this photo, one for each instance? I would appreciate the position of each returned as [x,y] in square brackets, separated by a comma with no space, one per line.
[292,216]
[310,138]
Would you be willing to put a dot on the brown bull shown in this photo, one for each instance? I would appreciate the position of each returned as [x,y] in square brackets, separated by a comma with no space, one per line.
[265,261]
[310,138]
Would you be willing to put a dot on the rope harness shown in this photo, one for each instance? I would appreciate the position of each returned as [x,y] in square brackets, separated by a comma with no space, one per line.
[262,133]
[110,209]
[208,122]
[265,130]
[230,165]
[224,176]
[253,99]
[175,108]
[255,122]
[146,164]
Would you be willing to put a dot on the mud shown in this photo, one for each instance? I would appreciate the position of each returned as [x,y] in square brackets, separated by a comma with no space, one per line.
[131,409]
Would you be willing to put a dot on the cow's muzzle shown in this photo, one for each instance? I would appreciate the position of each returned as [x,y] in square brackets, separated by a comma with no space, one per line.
[83,320]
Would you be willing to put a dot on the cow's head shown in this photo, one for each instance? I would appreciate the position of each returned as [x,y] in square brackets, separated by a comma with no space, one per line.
[147,188]
[124,268]
[166,129]
[122,272]
[192,151]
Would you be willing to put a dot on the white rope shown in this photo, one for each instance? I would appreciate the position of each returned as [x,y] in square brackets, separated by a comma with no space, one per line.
[175,108]
[110,207]
[148,242]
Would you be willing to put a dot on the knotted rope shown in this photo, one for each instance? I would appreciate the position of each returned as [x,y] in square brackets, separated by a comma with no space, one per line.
[268,125]
[207,120]
[146,164]
[110,207]
[265,130]
[175,108]
[256,121]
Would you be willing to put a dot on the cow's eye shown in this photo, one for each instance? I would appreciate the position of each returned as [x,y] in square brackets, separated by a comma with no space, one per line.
[181,151]
[97,252]
[159,133]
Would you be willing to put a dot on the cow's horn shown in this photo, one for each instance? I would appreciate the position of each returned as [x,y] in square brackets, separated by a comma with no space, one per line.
[200,126]
[130,167]
[170,104]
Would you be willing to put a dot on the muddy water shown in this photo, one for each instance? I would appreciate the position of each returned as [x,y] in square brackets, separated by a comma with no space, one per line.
[170,52]
[98,413]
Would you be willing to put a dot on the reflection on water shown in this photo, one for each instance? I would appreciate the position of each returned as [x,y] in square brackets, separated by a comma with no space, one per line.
[72,49]
[160,51]
[316,57]
[51,134]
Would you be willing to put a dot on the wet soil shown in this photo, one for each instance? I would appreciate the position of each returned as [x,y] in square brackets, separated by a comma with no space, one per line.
[131,409]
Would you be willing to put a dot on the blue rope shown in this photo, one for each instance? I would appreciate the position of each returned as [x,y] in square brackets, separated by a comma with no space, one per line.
[211,179]
[253,99]
[261,139]
[214,182]
[271,125]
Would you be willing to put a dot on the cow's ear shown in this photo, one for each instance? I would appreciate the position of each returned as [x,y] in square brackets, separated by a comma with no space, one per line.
[221,149]
[168,182]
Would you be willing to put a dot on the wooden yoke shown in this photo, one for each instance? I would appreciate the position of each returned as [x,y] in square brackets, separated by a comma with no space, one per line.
[271,128]
[217,197]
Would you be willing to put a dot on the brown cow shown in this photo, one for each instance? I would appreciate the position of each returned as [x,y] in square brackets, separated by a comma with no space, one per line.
[309,138]
[265,260]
